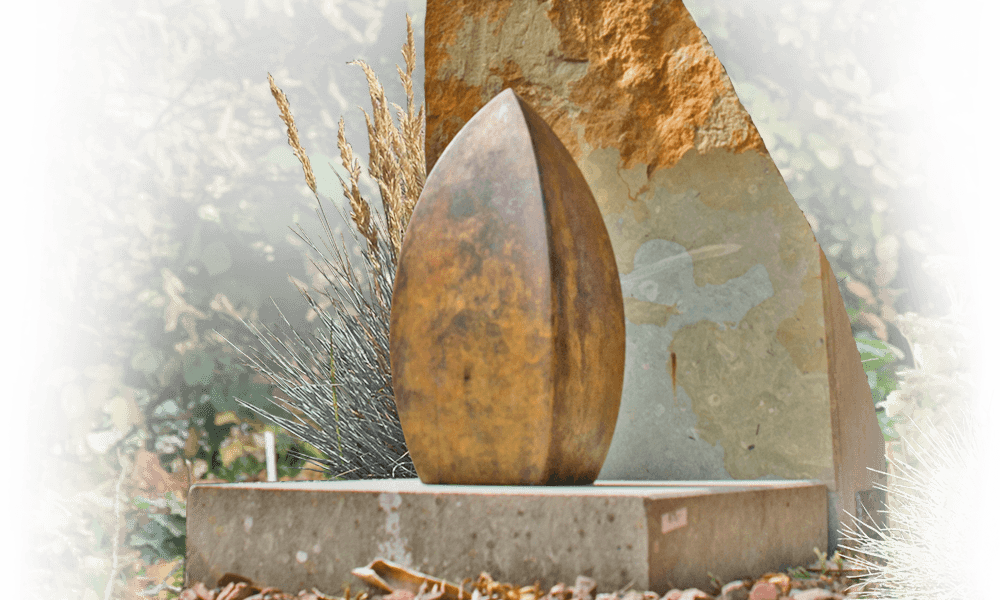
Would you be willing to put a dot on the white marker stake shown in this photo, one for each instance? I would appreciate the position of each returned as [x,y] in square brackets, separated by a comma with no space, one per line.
[272,461]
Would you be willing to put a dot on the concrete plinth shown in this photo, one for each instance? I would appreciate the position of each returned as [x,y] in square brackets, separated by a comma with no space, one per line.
[654,535]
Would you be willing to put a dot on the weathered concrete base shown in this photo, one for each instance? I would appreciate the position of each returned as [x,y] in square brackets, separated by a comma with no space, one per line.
[654,535]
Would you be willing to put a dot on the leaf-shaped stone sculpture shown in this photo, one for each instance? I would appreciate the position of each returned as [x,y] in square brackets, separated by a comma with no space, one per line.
[507,336]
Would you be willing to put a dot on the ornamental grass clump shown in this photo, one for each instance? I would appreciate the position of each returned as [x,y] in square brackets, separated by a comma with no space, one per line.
[934,544]
[925,551]
[334,385]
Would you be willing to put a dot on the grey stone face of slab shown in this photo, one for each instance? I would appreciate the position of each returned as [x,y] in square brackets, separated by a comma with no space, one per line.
[654,535]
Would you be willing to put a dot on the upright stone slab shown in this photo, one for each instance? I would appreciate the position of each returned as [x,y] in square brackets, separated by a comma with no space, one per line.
[740,362]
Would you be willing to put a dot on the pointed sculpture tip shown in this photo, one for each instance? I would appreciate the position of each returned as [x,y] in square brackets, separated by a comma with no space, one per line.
[506,95]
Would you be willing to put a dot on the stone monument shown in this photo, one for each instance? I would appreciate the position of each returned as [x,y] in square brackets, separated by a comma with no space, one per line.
[746,425]
[740,363]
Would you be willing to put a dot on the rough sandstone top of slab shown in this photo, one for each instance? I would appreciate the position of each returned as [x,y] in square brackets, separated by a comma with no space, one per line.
[660,109]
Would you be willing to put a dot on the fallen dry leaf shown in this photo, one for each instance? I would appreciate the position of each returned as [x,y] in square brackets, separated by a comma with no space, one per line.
[151,478]
[781,580]
[156,574]
[401,583]
[237,590]
[388,577]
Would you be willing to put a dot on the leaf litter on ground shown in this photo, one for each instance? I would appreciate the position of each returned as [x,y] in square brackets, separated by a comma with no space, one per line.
[826,579]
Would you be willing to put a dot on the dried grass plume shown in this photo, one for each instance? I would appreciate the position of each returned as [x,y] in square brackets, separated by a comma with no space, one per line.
[293,133]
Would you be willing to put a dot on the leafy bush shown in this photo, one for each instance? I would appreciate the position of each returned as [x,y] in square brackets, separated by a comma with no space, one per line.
[162,536]
[879,360]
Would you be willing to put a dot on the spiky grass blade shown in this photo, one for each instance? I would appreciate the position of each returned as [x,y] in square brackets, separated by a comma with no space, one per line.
[370,443]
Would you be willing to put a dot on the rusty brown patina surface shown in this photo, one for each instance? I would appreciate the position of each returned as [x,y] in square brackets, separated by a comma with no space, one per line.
[507,335]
